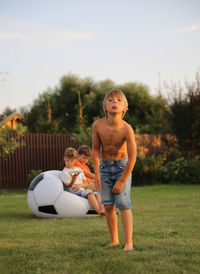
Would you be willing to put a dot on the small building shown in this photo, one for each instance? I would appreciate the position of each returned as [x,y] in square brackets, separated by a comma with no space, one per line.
[10,120]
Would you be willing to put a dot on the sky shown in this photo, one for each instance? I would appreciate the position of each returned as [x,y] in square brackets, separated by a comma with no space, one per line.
[147,41]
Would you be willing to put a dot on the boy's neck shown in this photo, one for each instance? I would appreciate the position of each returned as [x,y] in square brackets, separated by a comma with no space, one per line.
[114,118]
[71,167]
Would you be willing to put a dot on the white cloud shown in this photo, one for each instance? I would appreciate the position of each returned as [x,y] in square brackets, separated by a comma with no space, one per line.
[58,39]
[10,22]
[9,35]
[192,28]
[55,39]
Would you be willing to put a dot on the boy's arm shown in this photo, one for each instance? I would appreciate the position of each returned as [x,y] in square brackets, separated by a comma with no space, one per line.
[89,174]
[86,170]
[131,150]
[96,153]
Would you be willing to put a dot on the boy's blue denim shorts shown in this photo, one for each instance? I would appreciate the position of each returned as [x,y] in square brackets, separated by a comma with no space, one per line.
[110,172]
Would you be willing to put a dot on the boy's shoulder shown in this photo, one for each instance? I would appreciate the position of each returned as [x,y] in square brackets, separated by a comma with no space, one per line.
[128,129]
[127,125]
[99,121]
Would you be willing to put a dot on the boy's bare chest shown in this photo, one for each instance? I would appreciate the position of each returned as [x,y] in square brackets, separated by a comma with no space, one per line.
[112,136]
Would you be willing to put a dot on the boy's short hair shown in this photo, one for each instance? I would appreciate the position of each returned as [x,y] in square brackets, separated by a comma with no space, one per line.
[85,150]
[71,153]
[115,92]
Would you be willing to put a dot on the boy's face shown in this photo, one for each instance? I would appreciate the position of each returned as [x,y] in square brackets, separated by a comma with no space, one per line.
[83,159]
[69,163]
[115,104]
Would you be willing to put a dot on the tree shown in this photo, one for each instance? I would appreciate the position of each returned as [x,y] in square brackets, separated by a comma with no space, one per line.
[185,118]
[71,99]
[75,103]
[94,100]
[10,140]
[146,114]
[40,118]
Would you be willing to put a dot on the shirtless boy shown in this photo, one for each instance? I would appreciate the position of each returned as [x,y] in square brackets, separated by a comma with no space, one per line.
[114,156]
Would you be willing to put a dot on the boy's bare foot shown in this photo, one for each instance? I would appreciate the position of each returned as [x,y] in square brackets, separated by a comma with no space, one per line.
[128,248]
[102,214]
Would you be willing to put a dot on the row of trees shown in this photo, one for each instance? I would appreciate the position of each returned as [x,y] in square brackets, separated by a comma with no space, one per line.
[75,103]
[185,115]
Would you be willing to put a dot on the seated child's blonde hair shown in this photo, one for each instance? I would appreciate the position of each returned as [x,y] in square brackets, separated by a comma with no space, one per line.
[71,153]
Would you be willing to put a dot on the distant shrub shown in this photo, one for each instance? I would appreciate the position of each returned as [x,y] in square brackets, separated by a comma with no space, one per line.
[182,170]
[166,169]
[173,155]
[33,173]
[145,170]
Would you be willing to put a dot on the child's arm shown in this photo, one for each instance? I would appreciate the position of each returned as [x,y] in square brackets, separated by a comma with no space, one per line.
[131,149]
[96,154]
[74,176]
[89,174]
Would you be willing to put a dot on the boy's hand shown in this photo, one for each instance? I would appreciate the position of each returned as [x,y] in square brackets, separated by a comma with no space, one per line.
[97,182]
[75,174]
[118,187]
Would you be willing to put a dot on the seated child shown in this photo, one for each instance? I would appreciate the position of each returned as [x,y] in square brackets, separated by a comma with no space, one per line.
[84,153]
[75,179]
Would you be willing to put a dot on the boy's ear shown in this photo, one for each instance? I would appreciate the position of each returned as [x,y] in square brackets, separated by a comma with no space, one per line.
[124,112]
[105,110]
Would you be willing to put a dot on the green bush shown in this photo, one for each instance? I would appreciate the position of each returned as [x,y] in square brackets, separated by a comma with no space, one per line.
[33,173]
[145,170]
[165,169]
[182,170]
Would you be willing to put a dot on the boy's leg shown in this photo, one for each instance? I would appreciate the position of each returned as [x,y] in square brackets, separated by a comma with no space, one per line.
[111,220]
[93,203]
[98,197]
[127,223]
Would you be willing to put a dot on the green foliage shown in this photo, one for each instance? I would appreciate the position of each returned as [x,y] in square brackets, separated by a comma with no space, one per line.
[182,170]
[47,126]
[146,114]
[33,173]
[185,118]
[83,136]
[145,170]
[11,139]
[7,111]
[41,117]
[76,103]
[166,169]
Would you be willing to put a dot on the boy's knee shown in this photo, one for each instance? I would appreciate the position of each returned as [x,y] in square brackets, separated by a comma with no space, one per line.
[109,208]
[90,195]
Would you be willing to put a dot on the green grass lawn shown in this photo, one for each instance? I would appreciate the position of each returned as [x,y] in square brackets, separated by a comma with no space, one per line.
[166,236]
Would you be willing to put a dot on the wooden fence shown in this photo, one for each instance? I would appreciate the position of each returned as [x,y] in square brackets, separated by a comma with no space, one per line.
[45,152]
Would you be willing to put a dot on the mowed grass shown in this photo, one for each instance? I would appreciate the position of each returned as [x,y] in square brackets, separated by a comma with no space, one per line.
[166,236]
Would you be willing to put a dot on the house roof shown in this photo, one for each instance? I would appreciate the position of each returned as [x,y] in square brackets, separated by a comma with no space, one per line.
[10,116]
